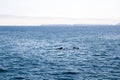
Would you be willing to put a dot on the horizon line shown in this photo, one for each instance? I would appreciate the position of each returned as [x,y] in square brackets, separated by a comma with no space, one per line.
[50,17]
[34,20]
[67,25]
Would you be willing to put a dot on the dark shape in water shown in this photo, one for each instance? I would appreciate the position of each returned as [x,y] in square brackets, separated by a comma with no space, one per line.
[70,72]
[19,78]
[75,48]
[2,70]
[64,78]
[60,48]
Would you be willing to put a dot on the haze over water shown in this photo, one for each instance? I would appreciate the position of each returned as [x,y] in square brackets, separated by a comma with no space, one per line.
[37,12]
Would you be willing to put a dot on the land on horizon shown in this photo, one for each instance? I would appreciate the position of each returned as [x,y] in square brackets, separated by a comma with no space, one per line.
[27,20]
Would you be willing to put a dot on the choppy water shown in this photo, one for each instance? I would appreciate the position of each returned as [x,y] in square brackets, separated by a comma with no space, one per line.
[29,53]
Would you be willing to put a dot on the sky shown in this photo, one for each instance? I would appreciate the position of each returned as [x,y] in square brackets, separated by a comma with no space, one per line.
[35,12]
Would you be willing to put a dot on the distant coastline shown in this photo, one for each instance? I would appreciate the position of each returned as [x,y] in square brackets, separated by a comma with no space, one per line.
[36,21]
[62,25]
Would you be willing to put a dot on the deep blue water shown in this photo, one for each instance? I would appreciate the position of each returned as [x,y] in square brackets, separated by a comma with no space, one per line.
[30,53]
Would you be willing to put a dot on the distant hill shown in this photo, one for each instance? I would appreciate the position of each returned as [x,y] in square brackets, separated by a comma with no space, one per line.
[118,24]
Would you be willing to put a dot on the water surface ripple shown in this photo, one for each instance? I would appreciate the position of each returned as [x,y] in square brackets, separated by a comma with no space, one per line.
[30,53]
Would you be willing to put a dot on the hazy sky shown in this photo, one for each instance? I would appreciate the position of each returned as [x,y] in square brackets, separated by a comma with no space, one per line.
[71,9]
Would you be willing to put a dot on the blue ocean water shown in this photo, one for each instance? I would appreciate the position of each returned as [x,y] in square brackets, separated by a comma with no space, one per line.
[31,53]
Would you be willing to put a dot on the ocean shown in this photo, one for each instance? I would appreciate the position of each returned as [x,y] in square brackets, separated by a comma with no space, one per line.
[72,52]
